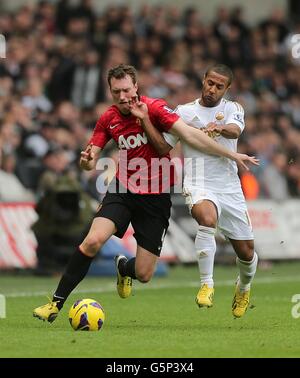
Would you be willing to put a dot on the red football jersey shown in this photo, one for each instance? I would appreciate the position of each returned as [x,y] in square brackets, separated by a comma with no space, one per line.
[140,169]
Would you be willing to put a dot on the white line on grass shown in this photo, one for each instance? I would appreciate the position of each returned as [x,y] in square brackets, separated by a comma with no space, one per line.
[111,287]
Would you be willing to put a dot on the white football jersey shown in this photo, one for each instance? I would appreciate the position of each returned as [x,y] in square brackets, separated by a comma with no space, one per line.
[212,173]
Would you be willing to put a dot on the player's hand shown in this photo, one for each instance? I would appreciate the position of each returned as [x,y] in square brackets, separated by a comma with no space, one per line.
[243,160]
[138,108]
[87,157]
[213,130]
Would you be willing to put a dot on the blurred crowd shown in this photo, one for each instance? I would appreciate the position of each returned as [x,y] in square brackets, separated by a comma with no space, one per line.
[53,85]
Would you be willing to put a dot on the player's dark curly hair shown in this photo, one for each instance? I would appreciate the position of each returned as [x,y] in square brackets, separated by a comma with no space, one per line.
[222,70]
[120,71]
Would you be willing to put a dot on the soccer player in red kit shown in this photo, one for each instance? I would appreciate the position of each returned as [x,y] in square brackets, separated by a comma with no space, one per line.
[130,197]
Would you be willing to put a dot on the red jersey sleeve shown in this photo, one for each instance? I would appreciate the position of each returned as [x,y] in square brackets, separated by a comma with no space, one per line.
[163,116]
[100,135]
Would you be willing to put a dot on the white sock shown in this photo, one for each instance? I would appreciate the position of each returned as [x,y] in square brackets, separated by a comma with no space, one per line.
[247,272]
[205,245]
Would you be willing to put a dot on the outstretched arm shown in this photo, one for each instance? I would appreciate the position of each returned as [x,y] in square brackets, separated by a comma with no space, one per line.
[197,139]
[89,157]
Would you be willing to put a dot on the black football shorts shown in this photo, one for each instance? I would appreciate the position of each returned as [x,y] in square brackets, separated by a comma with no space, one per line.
[148,213]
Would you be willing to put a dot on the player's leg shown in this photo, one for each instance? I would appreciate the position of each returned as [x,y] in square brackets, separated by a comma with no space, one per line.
[236,226]
[205,214]
[112,218]
[140,267]
[150,223]
[145,264]
[247,263]
[205,211]
[77,267]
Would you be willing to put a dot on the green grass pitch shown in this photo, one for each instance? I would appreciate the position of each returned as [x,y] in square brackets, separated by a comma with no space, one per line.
[160,319]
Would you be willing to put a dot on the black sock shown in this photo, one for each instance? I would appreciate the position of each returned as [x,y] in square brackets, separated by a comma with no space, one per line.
[128,268]
[76,270]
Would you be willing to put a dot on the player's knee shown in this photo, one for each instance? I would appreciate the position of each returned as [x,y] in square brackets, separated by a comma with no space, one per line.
[246,253]
[92,244]
[249,254]
[207,220]
[143,276]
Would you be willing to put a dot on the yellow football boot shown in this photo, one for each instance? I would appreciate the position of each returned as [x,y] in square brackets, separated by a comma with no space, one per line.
[124,283]
[240,302]
[205,296]
[47,312]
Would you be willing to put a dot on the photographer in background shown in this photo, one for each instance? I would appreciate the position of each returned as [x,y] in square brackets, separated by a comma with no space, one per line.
[64,210]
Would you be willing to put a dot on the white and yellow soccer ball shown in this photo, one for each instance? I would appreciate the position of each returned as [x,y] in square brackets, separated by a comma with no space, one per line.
[86,315]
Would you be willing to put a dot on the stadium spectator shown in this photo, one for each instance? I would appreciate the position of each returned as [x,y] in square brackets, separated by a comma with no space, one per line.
[274,182]
[86,90]
[267,83]
[11,189]
[250,185]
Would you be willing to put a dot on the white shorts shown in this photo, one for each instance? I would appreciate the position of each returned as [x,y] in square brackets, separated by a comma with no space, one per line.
[233,218]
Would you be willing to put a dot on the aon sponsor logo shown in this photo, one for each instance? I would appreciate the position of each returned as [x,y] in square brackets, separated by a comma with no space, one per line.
[132,141]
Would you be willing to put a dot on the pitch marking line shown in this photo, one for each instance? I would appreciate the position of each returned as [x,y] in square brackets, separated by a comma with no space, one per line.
[158,286]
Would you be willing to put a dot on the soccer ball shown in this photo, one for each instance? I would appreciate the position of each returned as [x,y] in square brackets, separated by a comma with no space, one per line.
[86,315]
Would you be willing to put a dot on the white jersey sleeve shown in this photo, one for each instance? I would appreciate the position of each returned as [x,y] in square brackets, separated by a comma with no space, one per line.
[234,113]
[170,138]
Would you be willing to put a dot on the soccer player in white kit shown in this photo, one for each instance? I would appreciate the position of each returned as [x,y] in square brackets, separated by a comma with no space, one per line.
[212,187]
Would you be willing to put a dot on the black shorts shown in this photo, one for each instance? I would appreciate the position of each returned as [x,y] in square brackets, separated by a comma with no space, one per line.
[148,213]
